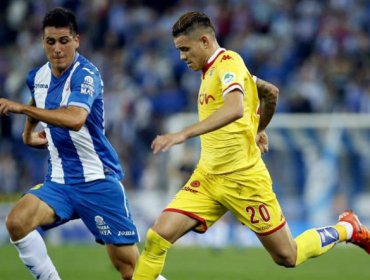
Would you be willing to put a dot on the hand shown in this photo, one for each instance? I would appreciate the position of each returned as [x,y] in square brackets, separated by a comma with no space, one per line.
[262,141]
[36,139]
[163,142]
[8,106]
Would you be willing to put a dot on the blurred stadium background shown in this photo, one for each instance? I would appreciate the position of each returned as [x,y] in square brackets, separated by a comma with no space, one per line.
[317,53]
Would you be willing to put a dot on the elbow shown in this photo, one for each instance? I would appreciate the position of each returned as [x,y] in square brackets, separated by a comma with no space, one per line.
[275,92]
[26,140]
[76,125]
[238,113]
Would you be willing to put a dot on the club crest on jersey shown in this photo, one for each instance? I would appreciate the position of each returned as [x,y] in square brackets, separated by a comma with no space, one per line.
[195,184]
[211,71]
[228,78]
[87,87]
[103,228]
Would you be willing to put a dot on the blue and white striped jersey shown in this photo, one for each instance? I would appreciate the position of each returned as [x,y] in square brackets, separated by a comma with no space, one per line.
[85,155]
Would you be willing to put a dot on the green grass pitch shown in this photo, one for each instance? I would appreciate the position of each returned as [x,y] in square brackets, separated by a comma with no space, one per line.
[194,263]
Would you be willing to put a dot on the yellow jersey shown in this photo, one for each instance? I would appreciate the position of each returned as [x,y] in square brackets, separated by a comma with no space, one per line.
[232,147]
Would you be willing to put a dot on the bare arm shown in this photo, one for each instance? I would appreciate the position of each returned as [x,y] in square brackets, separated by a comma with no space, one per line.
[232,110]
[33,138]
[268,95]
[71,117]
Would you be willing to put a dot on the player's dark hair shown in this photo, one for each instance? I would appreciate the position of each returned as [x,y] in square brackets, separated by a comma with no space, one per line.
[60,17]
[191,21]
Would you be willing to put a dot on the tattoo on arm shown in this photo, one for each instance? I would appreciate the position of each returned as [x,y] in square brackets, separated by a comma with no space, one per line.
[268,95]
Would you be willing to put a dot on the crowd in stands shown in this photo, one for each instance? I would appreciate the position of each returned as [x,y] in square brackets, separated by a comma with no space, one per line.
[317,52]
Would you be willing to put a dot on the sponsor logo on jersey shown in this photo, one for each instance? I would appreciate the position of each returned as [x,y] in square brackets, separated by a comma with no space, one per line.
[87,87]
[205,98]
[103,228]
[126,233]
[328,235]
[226,57]
[188,189]
[41,86]
[228,78]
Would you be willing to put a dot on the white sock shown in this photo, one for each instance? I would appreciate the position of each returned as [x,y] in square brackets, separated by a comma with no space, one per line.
[348,227]
[32,251]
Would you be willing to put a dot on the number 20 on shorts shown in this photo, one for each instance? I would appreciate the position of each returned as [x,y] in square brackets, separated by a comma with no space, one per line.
[262,212]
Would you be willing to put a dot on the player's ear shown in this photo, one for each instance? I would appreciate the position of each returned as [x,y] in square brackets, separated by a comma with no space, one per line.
[76,41]
[204,41]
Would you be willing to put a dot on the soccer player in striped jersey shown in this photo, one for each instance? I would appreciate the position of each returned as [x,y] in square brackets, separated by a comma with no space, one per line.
[234,109]
[84,172]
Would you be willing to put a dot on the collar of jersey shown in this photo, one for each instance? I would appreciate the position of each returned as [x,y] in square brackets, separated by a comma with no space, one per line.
[212,59]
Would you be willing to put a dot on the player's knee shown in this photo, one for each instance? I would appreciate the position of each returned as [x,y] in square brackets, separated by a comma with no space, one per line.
[15,227]
[126,269]
[126,272]
[285,260]
[126,276]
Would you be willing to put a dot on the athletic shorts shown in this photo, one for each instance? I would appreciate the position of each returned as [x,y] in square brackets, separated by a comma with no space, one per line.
[101,204]
[248,195]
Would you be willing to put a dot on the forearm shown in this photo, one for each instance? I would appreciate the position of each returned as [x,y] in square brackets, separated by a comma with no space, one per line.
[31,137]
[217,120]
[29,127]
[69,117]
[232,110]
[268,95]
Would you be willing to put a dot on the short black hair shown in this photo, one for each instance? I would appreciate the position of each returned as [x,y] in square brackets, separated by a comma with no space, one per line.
[190,21]
[60,17]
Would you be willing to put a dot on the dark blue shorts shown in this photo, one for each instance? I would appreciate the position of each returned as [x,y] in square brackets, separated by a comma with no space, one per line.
[102,205]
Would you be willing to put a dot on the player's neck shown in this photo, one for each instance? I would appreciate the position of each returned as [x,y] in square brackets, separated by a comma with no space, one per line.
[212,50]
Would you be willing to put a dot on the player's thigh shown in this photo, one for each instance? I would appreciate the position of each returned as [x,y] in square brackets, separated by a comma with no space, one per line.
[253,202]
[195,205]
[123,257]
[56,197]
[29,213]
[173,225]
[280,244]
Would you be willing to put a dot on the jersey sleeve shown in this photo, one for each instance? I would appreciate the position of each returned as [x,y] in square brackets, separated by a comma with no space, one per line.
[232,72]
[86,86]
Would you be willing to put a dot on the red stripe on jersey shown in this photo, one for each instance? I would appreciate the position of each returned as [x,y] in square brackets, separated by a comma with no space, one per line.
[202,222]
[233,84]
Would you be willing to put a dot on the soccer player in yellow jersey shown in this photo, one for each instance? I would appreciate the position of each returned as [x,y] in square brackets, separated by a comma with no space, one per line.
[234,109]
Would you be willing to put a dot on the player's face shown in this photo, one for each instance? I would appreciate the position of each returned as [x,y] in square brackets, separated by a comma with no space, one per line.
[60,48]
[192,51]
